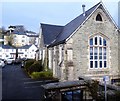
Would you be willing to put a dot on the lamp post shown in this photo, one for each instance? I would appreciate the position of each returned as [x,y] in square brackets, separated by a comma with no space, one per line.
[105,79]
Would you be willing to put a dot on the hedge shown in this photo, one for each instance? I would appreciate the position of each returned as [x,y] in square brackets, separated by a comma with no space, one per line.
[28,63]
[35,67]
[42,75]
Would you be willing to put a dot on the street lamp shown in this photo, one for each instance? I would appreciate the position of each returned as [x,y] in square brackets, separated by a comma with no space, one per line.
[105,79]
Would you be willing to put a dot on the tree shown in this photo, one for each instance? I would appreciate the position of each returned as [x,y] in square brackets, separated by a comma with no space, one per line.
[2,33]
[9,39]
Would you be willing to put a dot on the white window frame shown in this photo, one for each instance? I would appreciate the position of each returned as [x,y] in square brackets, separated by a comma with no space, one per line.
[98,46]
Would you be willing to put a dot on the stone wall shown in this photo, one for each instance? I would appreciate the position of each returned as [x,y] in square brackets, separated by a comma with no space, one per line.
[119,52]
[119,14]
[80,46]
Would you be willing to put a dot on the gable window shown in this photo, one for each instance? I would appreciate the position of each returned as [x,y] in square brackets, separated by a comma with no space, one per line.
[97,52]
[98,17]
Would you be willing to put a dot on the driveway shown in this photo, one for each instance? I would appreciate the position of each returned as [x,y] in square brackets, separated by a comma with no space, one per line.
[17,86]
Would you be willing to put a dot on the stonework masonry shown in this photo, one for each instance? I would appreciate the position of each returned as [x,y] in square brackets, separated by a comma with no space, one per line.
[80,47]
[71,59]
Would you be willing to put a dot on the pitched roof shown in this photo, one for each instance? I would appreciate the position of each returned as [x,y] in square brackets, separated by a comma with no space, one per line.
[73,25]
[25,47]
[20,30]
[50,32]
[7,47]
[78,21]
[65,32]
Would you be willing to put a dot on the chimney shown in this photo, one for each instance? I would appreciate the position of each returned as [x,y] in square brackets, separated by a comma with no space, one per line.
[83,6]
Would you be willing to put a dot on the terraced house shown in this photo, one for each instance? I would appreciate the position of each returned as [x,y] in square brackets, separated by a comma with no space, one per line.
[86,46]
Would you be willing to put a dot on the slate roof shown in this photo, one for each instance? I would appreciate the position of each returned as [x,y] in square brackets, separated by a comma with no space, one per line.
[22,47]
[74,24]
[67,31]
[54,34]
[32,35]
[20,30]
[25,47]
[7,47]
[50,32]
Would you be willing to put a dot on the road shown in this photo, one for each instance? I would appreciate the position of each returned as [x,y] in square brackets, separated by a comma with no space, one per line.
[17,86]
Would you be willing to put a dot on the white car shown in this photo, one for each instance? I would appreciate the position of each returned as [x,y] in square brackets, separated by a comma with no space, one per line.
[2,64]
[10,60]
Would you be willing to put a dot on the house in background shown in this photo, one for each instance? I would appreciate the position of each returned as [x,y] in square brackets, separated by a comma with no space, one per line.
[7,51]
[27,51]
[19,36]
[86,46]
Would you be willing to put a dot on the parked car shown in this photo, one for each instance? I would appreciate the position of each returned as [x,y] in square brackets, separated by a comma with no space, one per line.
[10,60]
[2,63]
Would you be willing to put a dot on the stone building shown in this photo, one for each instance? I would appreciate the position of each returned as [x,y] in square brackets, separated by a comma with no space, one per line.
[86,46]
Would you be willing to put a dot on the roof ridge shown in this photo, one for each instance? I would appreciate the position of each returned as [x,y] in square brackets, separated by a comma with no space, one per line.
[51,24]
[73,22]
[85,12]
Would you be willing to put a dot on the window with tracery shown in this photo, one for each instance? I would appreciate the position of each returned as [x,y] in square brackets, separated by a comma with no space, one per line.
[97,52]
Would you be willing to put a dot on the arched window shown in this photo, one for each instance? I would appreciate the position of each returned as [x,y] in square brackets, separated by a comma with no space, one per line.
[98,17]
[97,52]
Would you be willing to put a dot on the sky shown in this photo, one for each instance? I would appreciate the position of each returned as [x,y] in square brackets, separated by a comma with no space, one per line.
[32,13]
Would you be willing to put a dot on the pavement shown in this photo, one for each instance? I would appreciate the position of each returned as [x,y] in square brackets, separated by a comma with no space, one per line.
[17,86]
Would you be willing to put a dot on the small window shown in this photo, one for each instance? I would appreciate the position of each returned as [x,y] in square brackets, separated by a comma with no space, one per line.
[100,41]
[104,42]
[98,17]
[91,41]
[96,65]
[91,64]
[100,64]
[105,64]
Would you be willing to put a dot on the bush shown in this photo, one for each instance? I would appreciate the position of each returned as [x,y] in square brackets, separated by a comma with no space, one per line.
[35,67]
[42,75]
[28,63]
